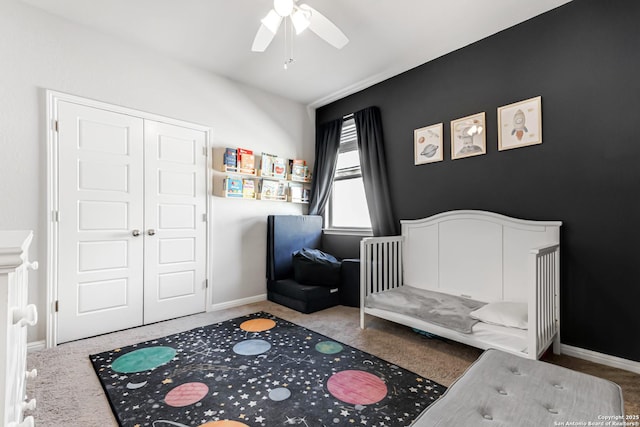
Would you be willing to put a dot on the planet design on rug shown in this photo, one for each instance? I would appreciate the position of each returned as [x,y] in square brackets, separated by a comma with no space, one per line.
[135,386]
[224,423]
[279,394]
[329,347]
[186,394]
[143,359]
[357,387]
[251,347]
[257,325]
[228,375]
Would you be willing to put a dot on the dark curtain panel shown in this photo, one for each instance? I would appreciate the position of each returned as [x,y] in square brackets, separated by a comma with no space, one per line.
[374,171]
[327,144]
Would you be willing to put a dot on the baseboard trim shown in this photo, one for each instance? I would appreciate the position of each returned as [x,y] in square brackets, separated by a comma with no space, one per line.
[601,358]
[36,346]
[237,302]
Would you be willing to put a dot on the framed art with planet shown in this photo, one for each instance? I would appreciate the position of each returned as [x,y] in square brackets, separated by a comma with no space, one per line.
[427,144]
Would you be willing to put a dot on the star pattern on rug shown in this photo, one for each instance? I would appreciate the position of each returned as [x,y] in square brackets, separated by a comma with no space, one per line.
[258,370]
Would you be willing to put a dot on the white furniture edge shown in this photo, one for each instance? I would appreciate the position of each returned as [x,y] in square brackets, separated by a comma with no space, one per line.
[601,358]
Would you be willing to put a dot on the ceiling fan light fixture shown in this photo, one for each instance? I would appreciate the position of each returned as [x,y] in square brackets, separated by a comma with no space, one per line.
[283,7]
[272,21]
[301,20]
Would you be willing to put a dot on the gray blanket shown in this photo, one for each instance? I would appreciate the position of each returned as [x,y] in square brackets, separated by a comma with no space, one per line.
[444,310]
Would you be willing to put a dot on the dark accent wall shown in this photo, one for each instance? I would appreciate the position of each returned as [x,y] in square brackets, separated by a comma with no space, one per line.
[584,60]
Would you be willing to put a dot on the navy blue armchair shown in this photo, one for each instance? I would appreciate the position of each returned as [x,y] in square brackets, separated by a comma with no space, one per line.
[287,234]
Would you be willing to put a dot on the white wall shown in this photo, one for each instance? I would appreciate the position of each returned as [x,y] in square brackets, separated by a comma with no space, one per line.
[39,51]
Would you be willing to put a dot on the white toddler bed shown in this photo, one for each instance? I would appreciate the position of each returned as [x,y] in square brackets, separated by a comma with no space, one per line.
[449,270]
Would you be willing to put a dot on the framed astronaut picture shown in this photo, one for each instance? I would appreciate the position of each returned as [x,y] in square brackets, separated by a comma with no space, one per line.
[520,124]
[468,136]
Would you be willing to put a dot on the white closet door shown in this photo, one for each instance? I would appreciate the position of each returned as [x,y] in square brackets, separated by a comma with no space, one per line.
[100,194]
[175,223]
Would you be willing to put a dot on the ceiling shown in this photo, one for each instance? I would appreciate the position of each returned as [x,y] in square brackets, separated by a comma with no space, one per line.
[386,37]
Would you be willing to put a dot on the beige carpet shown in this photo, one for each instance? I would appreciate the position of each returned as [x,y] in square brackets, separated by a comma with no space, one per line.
[68,392]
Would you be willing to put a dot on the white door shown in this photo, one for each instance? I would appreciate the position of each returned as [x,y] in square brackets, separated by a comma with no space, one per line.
[132,221]
[100,261]
[175,221]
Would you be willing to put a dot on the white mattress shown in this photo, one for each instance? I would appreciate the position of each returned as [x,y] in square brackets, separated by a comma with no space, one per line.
[491,335]
[501,336]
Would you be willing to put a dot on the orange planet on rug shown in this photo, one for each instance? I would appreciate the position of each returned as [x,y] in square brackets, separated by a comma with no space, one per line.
[257,325]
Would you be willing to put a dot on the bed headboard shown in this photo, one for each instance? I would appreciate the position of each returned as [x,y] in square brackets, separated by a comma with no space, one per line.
[482,255]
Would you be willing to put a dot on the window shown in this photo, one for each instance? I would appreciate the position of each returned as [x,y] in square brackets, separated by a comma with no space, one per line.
[347,207]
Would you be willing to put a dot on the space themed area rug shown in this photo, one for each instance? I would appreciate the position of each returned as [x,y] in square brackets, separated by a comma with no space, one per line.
[257,370]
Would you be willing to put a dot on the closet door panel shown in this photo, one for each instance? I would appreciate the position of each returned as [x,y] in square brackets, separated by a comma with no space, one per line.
[101,192]
[175,226]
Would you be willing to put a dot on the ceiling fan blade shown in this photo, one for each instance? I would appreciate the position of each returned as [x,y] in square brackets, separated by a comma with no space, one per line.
[263,39]
[324,28]
[267,31]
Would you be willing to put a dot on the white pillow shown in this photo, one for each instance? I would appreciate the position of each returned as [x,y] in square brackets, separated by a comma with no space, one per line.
[503,313]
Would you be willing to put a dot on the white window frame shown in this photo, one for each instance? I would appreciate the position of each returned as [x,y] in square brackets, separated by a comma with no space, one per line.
[348,142]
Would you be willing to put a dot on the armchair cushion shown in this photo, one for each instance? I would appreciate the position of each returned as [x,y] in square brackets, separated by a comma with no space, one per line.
[314,267]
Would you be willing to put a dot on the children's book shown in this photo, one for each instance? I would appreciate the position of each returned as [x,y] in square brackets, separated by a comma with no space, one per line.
[295,191]
[248,188]
[269,189]
[230,157]
[233,187]
[266,164]
[246,159]
[279,167]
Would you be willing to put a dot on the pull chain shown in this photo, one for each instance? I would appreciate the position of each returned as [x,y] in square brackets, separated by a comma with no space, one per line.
[288,38]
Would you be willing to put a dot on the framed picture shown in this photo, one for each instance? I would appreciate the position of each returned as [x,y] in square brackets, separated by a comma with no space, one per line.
[427,144]
[520,124]
[468,136]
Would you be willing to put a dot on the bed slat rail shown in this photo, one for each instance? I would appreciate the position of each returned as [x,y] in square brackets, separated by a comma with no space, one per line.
[544,307]
[380,267]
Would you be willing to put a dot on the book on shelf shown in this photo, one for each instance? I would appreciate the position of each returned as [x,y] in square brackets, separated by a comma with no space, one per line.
[248,188]
[299,172]
[295,191]
[233,187]
[279,167]
[246,159]
[266,164]
[306,194]
[230,157]
[281,194]
[269,189]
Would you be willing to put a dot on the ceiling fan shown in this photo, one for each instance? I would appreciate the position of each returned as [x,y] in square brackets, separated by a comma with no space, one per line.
[302,17]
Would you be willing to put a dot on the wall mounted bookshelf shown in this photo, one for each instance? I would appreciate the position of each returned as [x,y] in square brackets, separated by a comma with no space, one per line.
[259,176]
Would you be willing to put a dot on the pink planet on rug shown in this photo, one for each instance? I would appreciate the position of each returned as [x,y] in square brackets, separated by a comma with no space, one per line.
[357,387]
[186,394]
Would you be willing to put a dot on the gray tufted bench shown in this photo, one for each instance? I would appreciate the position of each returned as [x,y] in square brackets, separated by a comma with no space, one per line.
[501,389]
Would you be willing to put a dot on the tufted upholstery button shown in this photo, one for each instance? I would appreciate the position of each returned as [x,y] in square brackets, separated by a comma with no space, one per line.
[502,392]
[553,411]
[487,417]
[558,386]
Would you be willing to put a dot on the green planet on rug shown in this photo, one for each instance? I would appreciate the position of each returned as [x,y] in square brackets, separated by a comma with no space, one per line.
[257,370]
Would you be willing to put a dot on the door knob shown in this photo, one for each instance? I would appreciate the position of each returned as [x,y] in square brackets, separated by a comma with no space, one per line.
[135,233]
[151,232]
